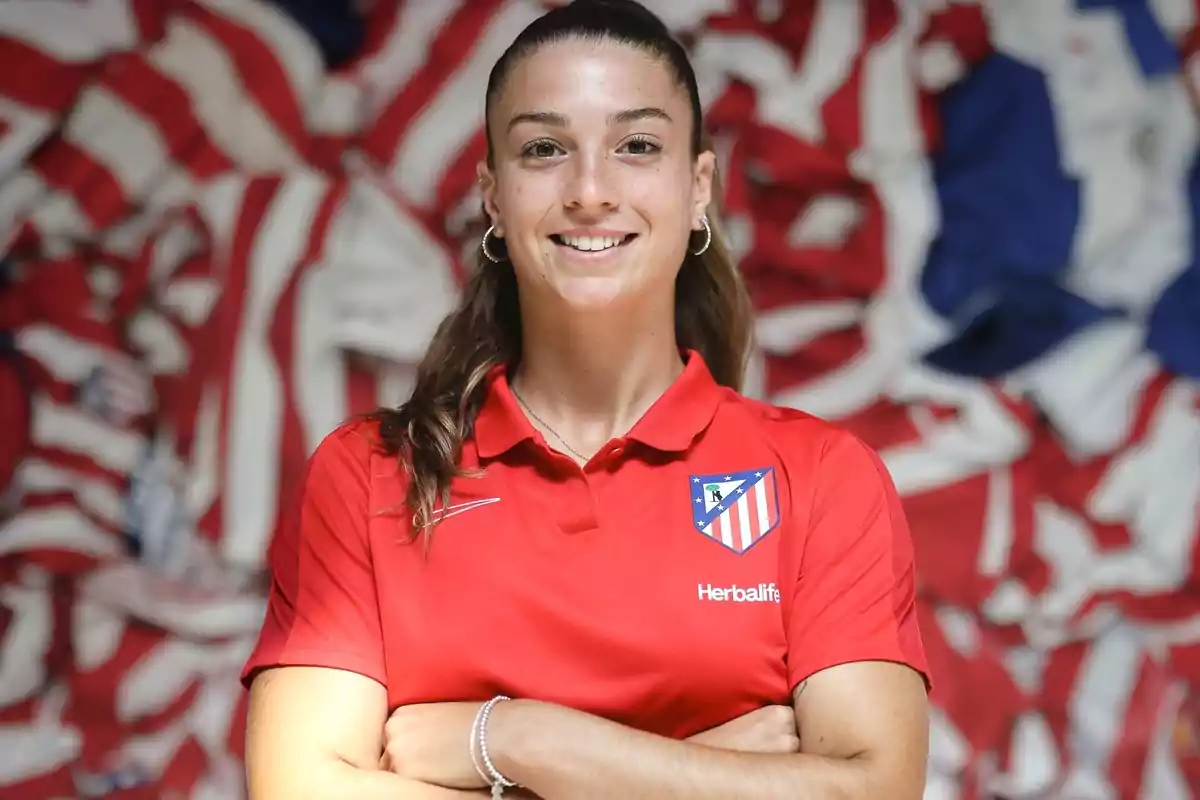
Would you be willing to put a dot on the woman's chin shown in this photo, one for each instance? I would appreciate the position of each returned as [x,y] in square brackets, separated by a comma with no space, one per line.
[594,293]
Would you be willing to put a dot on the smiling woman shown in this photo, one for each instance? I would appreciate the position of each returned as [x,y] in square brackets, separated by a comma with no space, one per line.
[685,592]
[559,175]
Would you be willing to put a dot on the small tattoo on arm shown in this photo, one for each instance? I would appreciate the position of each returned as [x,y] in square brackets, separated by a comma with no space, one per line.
[800,690]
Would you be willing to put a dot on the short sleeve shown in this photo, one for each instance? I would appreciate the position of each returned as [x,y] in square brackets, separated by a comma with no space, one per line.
[855,596]
[322,608]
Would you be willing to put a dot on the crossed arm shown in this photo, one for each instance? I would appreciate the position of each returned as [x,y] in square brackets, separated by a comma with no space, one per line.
[314,733]
[863,733]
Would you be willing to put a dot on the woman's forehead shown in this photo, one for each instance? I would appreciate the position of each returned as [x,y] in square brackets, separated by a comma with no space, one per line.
[587,76]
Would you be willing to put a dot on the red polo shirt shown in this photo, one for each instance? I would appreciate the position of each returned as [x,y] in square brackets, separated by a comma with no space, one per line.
[696,569]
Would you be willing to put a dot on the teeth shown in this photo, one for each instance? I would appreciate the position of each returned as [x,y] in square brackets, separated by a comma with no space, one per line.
[591,242]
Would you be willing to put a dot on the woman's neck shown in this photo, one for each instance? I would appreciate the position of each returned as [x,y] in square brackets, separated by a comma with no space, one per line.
[590,377]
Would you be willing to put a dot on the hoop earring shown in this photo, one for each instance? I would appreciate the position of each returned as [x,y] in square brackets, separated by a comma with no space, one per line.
[487,251]
[707,237]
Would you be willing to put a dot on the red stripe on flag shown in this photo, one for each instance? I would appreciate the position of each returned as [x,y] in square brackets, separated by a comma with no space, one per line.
[72,170]
[459,178]
[1127,764]
[150,16]
[293,450]
[263,77]
[165,104]
[227,320]
[42,82]
[458,36]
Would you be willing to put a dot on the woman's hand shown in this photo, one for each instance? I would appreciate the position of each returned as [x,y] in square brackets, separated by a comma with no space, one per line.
[431,743]
[771,729]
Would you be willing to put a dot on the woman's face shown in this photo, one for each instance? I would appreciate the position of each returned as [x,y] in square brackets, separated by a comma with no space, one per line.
[594,188]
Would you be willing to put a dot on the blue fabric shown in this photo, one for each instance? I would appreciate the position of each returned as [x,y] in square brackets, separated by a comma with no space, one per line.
[1031,317]
[8,344]
[1009,215]
[334,25]
[1155,53]
[1174,327]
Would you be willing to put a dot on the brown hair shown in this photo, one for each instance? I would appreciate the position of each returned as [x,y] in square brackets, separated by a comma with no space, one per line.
[712,310]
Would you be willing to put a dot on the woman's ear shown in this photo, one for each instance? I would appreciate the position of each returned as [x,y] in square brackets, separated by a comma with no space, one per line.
[487,187]
[702,190]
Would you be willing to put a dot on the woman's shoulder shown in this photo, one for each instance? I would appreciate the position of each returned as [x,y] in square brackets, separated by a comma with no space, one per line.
[360,435]
[796,430]
[357,445]
[809,445]
[824,455]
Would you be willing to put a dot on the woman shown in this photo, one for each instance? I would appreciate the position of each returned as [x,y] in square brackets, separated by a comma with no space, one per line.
[687,593]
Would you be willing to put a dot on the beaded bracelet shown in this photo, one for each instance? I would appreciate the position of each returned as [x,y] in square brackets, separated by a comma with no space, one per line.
[479,750]
[475,728]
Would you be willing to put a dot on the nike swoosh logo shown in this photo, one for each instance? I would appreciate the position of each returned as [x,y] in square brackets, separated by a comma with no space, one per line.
[461,508]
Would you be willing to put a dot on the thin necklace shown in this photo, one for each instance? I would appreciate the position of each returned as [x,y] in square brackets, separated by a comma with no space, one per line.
[543,423]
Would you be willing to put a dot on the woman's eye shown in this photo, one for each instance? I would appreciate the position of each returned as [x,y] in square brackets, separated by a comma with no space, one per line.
[640,147]
[542,150]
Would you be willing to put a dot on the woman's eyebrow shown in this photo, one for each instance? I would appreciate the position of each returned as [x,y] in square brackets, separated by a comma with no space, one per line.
[540,117]
[637,114]
[554,119]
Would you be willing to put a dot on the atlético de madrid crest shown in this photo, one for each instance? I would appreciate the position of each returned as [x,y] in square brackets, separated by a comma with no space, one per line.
[736,509]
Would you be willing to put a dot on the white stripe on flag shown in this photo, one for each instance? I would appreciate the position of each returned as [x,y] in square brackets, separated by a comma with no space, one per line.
[747,530]
[760,500]
[726,528]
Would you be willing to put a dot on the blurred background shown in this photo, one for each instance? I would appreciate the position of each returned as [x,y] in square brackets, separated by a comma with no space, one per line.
[970,230]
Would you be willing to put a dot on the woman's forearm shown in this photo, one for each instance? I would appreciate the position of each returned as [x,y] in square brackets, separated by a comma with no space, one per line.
[560,753]
[348,782]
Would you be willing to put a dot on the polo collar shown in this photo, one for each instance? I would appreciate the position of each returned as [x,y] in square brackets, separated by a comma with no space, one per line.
[670,425]
[501,424]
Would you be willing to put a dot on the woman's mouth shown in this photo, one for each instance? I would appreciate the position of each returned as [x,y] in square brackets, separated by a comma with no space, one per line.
[592,244]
